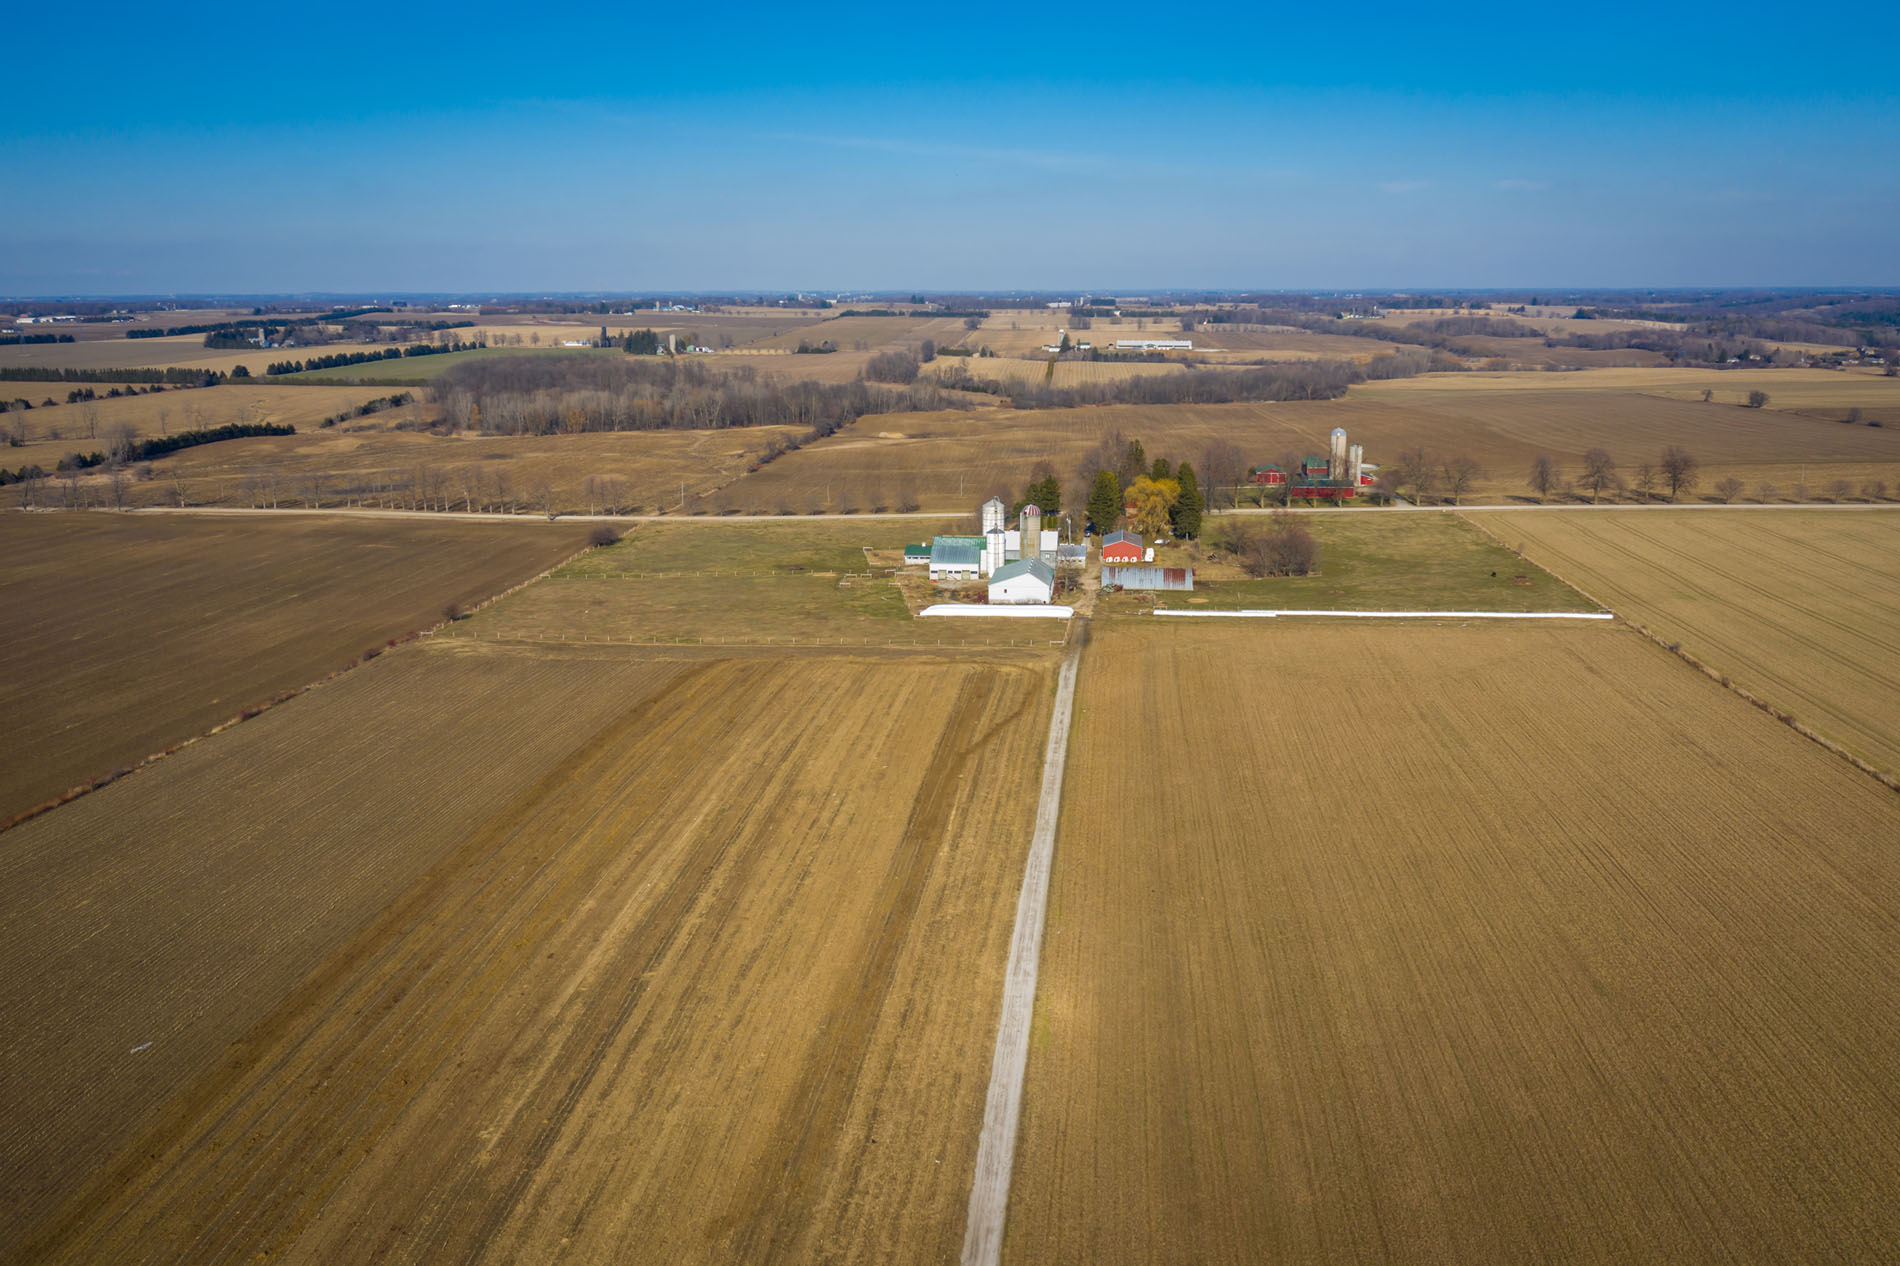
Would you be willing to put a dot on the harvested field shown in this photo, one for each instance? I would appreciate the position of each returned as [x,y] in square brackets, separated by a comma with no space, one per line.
[954,460]
[367,462]
[1035,373]
[416,370]
[867,334]
[1798,608]
[88,425]
[663,961]
[1532,946]
[184,350]
[122,635]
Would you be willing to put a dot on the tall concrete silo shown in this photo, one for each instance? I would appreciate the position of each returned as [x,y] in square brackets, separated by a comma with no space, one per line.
[1030,526]
[1356,463]
[1336,458]
[995,514]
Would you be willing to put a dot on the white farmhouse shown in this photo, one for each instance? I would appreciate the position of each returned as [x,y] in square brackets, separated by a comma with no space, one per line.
[1030,580]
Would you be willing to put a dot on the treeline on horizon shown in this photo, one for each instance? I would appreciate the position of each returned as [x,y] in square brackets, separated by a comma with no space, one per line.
[554,394]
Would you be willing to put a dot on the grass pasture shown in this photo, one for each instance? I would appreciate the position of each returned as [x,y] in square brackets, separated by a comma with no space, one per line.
[565,952]
[1455,944]
[1797,608]
[124,634]
[1384,561]
[744,584]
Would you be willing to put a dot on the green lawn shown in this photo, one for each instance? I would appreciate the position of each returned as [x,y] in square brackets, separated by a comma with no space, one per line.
[414,371]
[1424,561]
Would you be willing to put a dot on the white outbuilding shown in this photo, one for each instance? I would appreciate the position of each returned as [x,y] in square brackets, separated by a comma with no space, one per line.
[1029,580]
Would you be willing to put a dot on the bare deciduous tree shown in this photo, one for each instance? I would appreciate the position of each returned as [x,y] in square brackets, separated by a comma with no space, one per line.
[1766,492]
[1728,489]
[1459,474]
[1646,479]
[1839,490]
[1874,490]
[1758,399]
[1222,466]
[1543,476]
[1678,470]
[1599,472]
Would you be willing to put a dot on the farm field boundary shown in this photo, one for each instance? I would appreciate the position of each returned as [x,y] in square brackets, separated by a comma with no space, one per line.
[1402,615]
[1595,983]
[1794,615]
[126,637]
[1002,1110]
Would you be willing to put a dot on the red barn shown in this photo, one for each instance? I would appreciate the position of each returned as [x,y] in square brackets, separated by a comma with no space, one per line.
[1121,547]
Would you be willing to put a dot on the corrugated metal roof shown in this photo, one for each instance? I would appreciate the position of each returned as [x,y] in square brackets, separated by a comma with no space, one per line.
[1026,567]
[951,552]
[1136,577]
[1121,538]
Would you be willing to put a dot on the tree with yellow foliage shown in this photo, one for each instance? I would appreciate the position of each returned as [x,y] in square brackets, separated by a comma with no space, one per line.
[1153,500]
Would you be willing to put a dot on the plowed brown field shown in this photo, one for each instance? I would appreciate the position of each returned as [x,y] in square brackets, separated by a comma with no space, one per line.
[707,973]
[123,634]
[1460,944]
[1799,608]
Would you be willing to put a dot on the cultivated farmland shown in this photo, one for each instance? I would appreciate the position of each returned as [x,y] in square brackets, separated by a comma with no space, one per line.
[1798,608]
[951,459]
[695,955]
[1457,944]
[121,635]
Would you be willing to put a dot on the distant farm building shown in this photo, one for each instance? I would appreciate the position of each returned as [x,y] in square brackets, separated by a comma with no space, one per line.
[1174,579]
[917,555]
[1072,555]
[1336,477]
[1154,344]
[1027,580]
[1121,547]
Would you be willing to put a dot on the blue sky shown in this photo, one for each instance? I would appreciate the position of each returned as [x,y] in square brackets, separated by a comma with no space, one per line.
[559,148]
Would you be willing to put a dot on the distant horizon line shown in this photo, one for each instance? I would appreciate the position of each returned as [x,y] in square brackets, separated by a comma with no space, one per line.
[900,294]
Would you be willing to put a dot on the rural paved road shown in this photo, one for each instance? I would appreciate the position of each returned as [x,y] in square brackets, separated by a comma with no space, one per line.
[996,1146]
[359,512]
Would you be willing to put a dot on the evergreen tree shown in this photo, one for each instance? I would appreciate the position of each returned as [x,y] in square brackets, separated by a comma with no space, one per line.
[1161,470]
[1187,510]
[1105,502]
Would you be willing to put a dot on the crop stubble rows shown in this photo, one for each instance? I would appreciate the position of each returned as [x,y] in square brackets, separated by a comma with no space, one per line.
[720,985]
[1797,608]
[1456,944]
[121,635]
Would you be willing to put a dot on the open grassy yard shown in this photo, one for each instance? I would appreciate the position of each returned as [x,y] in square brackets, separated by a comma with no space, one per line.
[122,634]
[1386,560]
[1801,609]
[492,955]
[1455,944]
[741,584]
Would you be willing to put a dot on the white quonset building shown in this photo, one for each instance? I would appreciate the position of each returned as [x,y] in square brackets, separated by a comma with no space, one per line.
[1029,580]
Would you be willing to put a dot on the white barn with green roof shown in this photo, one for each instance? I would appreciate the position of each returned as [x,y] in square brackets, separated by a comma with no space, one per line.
[1030,580]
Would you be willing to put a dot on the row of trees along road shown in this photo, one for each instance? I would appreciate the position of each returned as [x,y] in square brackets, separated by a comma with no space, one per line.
[1678,471]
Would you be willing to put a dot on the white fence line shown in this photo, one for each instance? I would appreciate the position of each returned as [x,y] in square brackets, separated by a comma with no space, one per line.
[1407,615]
